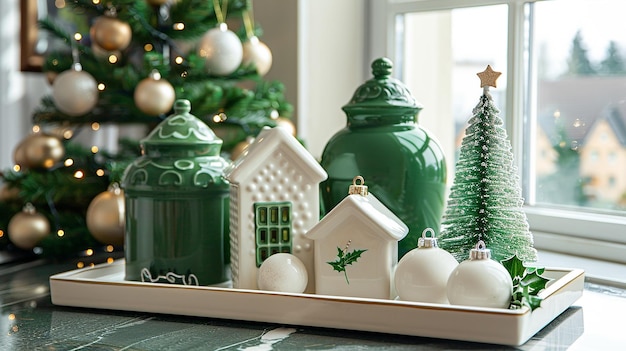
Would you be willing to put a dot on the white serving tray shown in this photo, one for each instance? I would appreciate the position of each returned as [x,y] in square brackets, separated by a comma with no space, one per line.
[104,287]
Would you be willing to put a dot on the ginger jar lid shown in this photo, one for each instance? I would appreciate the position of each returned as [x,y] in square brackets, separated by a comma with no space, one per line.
[182,134]
[382,99]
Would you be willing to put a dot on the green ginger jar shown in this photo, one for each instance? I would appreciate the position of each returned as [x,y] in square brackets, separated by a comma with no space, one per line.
[177,205]
[402,163]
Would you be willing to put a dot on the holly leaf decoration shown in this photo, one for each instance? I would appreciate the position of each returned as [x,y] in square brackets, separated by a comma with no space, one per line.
[345,258]
[527,283]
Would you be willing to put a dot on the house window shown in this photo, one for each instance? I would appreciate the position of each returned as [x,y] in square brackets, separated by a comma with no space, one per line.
[272,228]
[556,86]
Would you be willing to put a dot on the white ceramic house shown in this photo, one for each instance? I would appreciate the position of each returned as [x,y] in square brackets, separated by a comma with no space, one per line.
[274,201]
[358,224]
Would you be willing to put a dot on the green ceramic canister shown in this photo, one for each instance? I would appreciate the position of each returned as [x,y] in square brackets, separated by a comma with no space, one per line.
[177,204]
[404,165]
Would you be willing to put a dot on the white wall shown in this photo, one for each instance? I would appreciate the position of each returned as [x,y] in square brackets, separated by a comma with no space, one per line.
[19,92]
[318,48]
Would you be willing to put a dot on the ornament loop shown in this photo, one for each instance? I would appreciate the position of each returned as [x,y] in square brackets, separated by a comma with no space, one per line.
[426,241]
[481,252]
[358,189]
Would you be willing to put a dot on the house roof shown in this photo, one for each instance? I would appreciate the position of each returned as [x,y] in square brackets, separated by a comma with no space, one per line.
[265,145]
[362,208]
[581,101]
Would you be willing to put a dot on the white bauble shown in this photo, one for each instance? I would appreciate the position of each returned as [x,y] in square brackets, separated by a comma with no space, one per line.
[257,53]
[422,274]
[480,281]
[222,50]
[283,272]
[75,92]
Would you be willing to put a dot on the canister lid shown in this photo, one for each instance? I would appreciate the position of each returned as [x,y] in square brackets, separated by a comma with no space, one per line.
[182,129]
[382,97]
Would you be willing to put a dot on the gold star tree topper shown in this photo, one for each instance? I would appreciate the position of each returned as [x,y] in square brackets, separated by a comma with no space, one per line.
[488,77]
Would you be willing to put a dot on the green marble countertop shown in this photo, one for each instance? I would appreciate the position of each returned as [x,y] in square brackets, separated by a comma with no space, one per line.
[29,321]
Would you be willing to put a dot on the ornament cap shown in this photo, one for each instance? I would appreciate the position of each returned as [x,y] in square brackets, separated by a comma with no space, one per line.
[481,252]
[427,242]
[29,208]
[358,188]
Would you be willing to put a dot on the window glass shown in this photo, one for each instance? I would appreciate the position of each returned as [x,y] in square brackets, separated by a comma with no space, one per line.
[578,70]
[273,229]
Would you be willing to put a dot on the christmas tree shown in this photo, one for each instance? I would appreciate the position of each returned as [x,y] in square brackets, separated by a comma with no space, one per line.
[485,202]
[135,58]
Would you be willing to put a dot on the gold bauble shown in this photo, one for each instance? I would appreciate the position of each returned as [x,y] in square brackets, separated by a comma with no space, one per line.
[28,227]
[9,193]
[106,216]
[19,155]
[154,96]
[239,148]
[287,124]
[156,2]
[40,150]
[110,33]
[257,53]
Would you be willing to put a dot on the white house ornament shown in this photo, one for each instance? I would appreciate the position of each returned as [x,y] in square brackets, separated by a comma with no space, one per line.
[154,96]
[480,281]
[28,228]
[106,216]
[283,272]
[222,50]
[75,92]
[356,246]
[422,274]
[257,53]
[274,201]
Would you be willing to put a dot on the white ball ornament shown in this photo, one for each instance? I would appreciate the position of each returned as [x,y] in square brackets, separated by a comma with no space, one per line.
[74,91]
[257,53]
[282,272]
[153,95]
[480,281]
[222,50]
[422,274]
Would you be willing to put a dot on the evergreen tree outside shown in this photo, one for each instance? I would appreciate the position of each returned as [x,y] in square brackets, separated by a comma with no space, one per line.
[485,201]
[578,63]
[236,106]
[613,63]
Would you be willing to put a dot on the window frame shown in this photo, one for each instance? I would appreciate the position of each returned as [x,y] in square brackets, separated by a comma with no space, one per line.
[582,233]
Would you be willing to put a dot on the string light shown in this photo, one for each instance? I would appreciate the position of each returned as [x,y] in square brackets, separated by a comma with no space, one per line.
[59,4]
[101,86]
[100,172]
[95,2]
[48,163]
[220,117]
[274,114]
[17,168]
[110,260]
[80,264]
[89,252]
[178,60]
[36,128]
[68,134]
[79,174]
[112,58]
[94,149]
[11,317]
[68,162]
[1,233]
[95,126]
[60,233]
[179,26]
[148,47]
[78,36]
[109,248]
